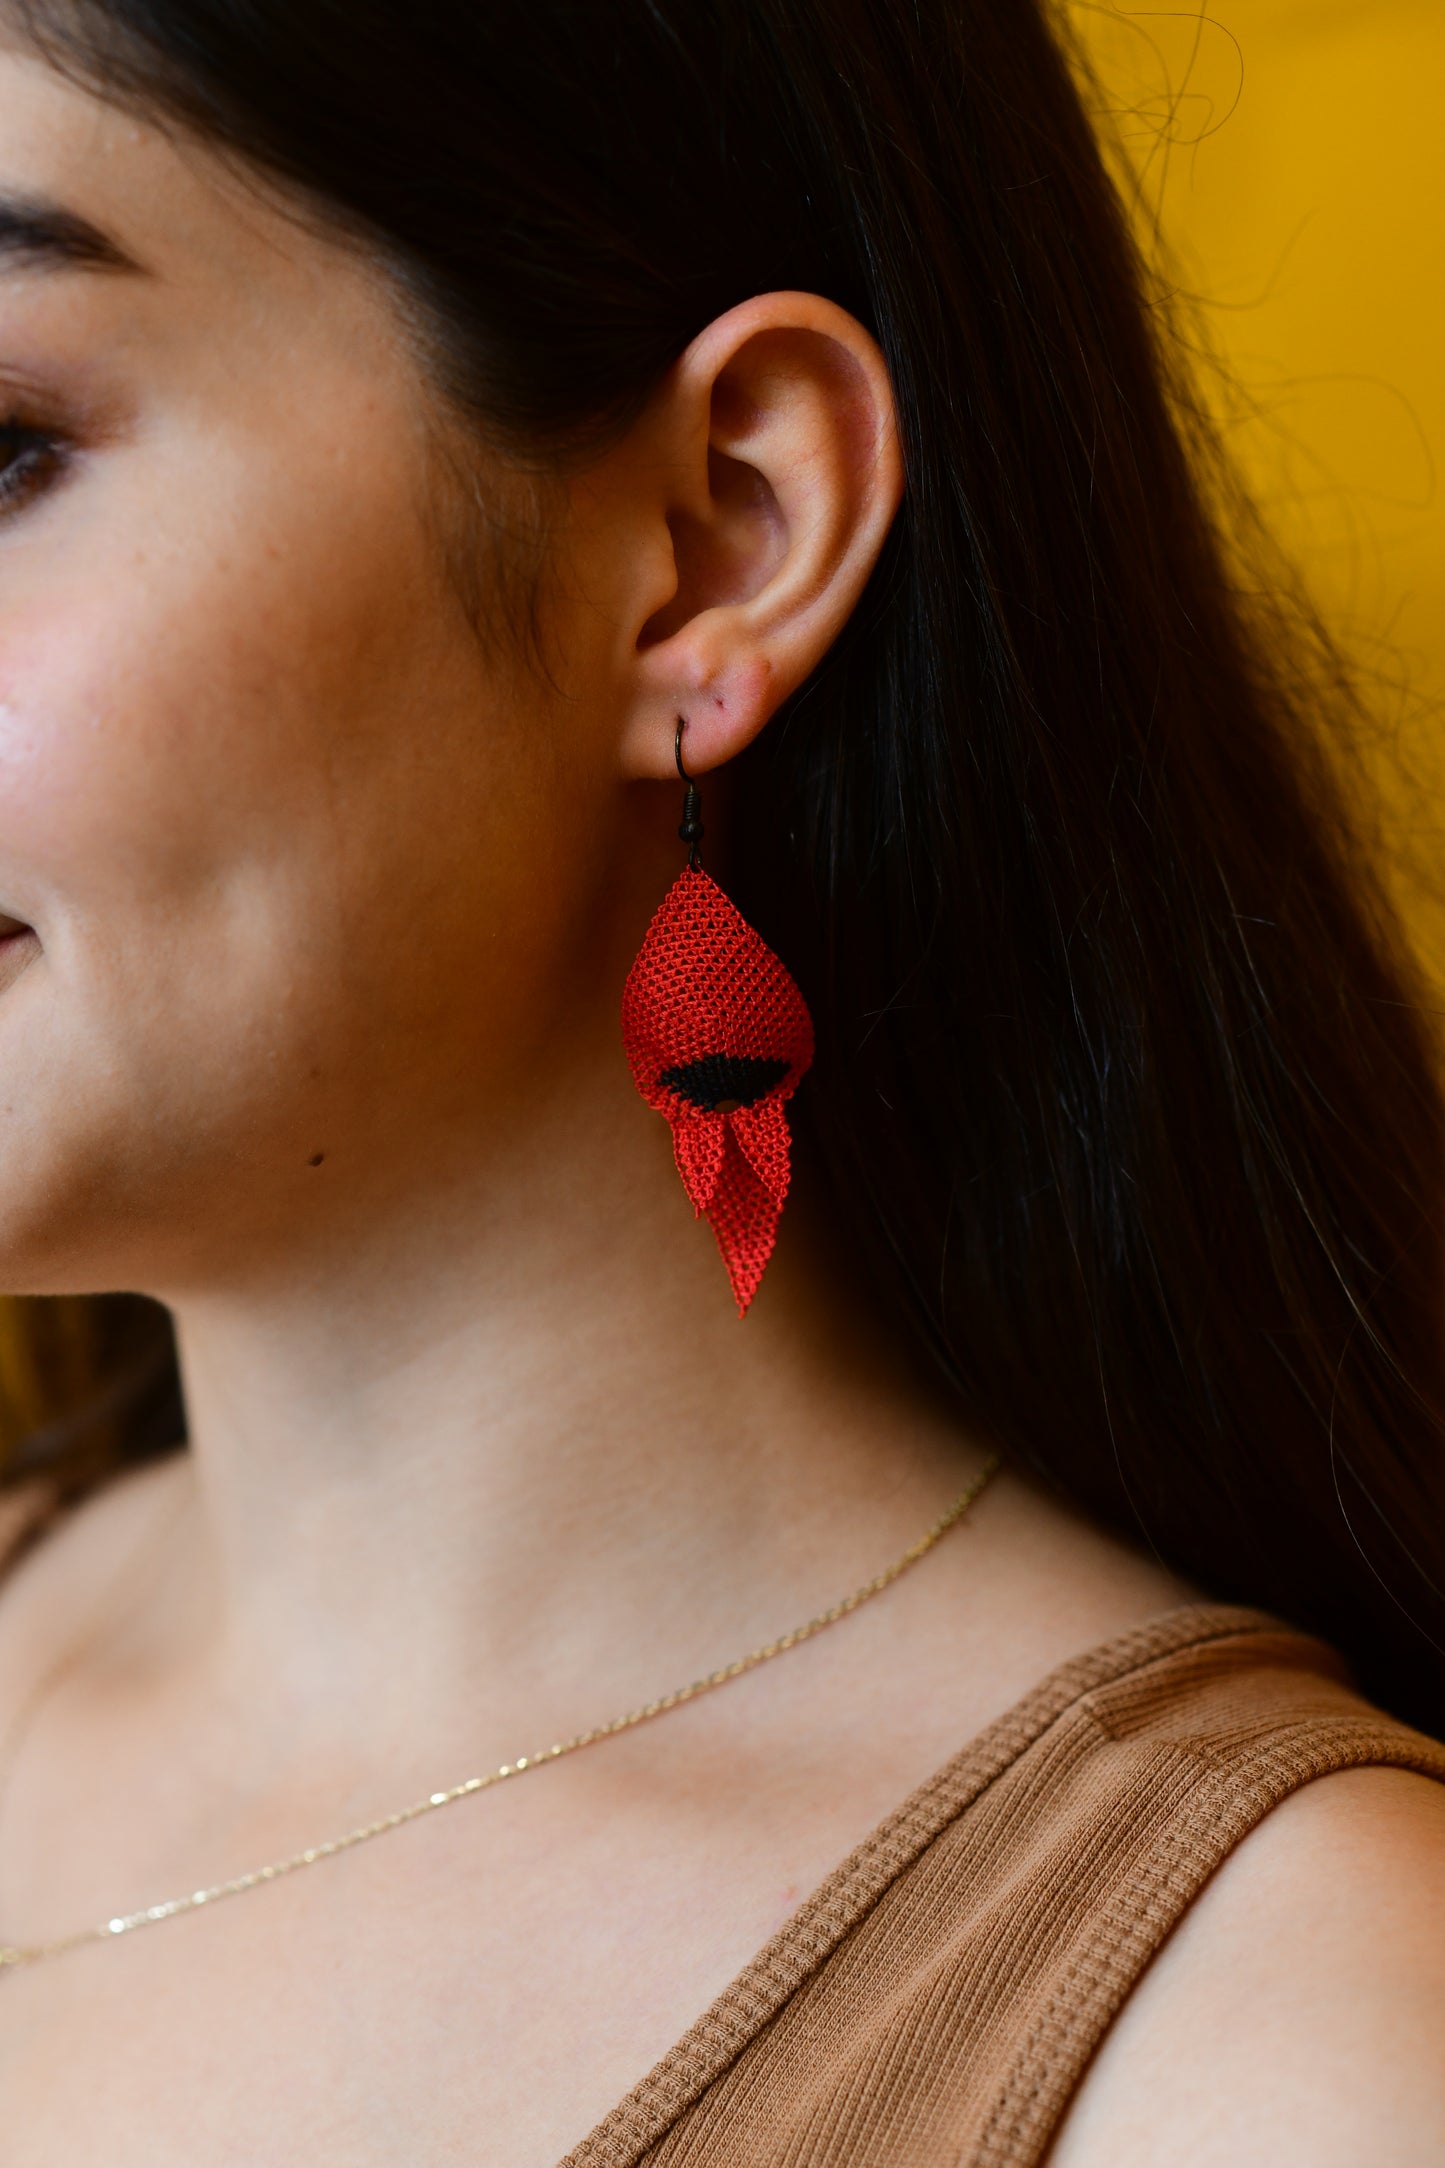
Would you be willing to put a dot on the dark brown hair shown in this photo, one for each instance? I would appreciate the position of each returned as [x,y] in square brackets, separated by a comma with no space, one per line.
[1122,1086]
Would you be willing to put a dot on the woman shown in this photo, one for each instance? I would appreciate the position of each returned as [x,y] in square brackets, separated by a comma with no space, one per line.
[427,429]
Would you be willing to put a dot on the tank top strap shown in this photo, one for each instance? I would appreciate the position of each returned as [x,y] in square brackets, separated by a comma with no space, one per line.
[1180,1760]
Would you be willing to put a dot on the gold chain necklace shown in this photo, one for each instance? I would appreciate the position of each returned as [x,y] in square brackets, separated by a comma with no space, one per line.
[125,1924]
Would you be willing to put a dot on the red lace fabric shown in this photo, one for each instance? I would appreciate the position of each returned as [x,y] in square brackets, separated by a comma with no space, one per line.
[718,1037]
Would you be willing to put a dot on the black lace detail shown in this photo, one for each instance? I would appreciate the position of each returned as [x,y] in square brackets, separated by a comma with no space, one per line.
[721,1079]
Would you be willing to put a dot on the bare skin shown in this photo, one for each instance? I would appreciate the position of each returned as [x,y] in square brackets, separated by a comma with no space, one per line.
[314,1036]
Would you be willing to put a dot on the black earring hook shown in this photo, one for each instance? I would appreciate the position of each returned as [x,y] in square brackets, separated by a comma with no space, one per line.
[691,830]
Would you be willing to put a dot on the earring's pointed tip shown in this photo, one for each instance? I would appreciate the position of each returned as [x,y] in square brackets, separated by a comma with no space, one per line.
[745,1276]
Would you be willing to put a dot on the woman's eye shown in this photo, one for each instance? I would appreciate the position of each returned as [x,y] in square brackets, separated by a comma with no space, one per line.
[28,459]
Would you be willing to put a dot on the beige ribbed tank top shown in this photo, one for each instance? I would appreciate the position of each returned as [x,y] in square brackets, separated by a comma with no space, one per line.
[935,2003]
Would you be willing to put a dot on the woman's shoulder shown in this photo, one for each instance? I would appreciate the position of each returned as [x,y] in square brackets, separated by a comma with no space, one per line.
[1201,1916]
[1297,2011]
[43,1533]
[1135,1920]
[27,1510]
[61,1560]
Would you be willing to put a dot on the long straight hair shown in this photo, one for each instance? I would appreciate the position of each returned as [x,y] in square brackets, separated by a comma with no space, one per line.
[1123,1095]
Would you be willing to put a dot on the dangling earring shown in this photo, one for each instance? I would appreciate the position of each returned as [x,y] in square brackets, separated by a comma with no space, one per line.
[718,1037]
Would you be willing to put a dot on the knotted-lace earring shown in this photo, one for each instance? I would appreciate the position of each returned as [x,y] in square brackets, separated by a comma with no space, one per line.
[718,1038]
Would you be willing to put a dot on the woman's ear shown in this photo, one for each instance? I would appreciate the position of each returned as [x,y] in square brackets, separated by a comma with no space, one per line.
[770,471]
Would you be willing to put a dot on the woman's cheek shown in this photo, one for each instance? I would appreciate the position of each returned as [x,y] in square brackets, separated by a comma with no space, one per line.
[120,771]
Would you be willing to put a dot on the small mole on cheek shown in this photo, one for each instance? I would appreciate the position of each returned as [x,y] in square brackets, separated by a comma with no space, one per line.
[315,1159]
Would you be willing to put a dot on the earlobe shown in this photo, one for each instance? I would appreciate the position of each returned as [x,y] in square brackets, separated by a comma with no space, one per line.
[785,479]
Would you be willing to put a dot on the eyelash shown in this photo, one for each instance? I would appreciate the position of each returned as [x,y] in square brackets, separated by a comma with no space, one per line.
[28,460]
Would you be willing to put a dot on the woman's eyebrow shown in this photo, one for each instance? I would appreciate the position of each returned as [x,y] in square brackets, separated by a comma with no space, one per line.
[37,234]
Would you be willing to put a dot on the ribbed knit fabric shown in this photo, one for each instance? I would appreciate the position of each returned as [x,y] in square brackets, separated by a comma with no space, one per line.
[935,2003]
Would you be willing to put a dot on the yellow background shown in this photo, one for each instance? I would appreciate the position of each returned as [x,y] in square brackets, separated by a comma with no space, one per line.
[1294,152]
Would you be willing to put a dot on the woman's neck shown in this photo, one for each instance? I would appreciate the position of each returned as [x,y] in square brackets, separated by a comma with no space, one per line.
[485,1453]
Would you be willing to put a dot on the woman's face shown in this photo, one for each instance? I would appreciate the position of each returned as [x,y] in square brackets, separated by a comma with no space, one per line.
[301,873]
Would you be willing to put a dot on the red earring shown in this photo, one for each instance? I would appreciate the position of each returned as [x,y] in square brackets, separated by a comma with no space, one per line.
[718,1037]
